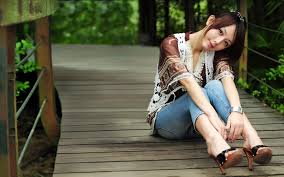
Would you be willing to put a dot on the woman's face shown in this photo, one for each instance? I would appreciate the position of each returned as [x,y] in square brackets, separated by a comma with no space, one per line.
[219,39]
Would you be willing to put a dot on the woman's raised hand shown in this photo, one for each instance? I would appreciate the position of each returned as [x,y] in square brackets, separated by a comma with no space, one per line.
[235,126]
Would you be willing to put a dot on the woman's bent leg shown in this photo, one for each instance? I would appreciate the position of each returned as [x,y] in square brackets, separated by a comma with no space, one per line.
[177,120]
[253,146]
[216,145]
[173,121]
[214,140]
[218,98]
[249,134]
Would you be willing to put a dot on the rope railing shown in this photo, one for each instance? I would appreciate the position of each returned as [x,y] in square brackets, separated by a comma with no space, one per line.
[265,56]
[30,94]
[264,83]
[32,91]
[9,158]
[31,132]
[265,28]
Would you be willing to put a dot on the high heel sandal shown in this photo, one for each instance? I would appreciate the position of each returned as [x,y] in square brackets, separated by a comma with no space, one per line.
[231,160]
[261,156]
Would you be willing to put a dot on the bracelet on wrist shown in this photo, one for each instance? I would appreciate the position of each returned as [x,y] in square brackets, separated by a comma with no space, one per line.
[237,109]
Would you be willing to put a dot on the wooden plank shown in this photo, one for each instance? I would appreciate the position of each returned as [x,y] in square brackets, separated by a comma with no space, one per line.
[127,138]
[14,11]
[46,86]
[118,156]
[106,88]
[137,147]
[139,103]
[110,76]
[139,133]
[105,134]
[130,147]
[109,103]
[81,121]
[107,127]
[262,171]
[104,109]
[131,156]
[250,111]
[143,102]
[150,165]
[141,114]
[102,82]
[141,126]
[120,94]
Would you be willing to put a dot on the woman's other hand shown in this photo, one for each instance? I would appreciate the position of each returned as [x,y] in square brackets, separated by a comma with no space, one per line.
[235,126]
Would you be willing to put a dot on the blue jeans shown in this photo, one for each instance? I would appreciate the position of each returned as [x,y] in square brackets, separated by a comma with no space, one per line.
[177,120]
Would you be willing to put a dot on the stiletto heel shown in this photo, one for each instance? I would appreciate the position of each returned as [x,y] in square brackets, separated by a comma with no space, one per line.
[249,158]
[231,160]
[219,165]
[260,156]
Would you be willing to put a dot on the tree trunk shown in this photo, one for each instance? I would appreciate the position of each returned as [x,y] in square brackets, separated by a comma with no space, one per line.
[147,22]
[259,11]
[210,10]
[198,12]
[189,15]
[167,17]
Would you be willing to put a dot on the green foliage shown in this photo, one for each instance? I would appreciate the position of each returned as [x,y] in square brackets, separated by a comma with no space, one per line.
[93,21]
[274,98]
[278,72]
[22,87]
[22,49]
[242,84]
[269,43]
[272,5]
[176,16]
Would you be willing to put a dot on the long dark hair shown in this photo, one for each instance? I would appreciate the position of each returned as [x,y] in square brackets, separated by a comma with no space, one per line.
[226,19]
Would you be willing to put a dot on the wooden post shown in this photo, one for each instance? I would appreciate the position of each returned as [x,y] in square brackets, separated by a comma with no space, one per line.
[189,15]
[46,86]
[167,18]
[8,124]
[244,56]
[147,22]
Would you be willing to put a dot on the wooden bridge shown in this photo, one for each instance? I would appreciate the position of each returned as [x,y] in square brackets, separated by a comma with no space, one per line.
[105,91]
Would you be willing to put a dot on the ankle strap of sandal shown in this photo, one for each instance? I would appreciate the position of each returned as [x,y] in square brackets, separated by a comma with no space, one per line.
[221,157]
[255,149]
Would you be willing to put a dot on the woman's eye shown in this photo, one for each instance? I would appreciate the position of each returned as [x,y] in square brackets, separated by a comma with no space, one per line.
[220,31]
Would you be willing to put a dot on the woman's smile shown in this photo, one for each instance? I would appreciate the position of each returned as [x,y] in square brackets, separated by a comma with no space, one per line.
[210,45]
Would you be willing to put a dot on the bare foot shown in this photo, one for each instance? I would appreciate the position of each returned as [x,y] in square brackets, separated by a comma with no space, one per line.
[251,139]
[216,144]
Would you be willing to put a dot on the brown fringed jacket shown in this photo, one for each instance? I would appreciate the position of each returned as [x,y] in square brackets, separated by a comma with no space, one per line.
[175,63]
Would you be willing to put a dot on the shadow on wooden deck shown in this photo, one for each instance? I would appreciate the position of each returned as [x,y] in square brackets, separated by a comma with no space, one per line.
[105,92]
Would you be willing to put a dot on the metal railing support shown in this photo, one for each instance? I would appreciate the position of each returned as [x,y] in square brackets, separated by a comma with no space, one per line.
[46,86]
[31,133]
[8,125]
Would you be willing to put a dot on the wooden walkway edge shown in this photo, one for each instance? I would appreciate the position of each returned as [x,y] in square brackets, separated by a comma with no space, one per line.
[105,92]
